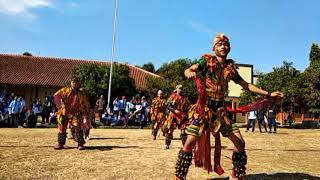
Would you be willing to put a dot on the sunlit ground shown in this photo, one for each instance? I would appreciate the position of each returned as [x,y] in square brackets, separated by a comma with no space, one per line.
[132,154]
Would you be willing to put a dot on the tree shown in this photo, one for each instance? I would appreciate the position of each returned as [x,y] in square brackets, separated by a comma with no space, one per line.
[173,74]
[27,54]
[95,79]
[286,79]
[148,67]
[312,80]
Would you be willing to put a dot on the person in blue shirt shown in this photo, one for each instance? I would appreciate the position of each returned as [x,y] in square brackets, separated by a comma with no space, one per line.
[14,109]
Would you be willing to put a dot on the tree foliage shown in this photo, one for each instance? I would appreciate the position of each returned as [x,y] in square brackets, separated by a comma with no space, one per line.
[172,74]
[149,67]
[311,78]
[286,79]
[95,79]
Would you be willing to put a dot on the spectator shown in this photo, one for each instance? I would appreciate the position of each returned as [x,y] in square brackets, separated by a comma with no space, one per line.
[108,117]
[31,119]
[260,117]
[145,107]
[46,110]
[22,112]
[116,108]
[100,106]
[251,120]
[122,110]
[53,116]
[271,116]
[37,108]
[130,108]
[14,108]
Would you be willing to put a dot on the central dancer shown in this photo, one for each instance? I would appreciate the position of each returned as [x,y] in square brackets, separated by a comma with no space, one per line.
[208,115]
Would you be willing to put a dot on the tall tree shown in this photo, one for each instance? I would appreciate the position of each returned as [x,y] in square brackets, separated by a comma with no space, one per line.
[312,80]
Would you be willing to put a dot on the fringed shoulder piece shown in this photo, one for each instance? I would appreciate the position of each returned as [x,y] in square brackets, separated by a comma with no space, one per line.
[231,69]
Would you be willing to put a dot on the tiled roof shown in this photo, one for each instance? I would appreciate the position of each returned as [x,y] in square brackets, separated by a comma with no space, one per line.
[52,71]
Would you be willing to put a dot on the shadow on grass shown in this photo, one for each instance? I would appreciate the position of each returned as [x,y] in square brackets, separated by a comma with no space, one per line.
[99,138]
[101,148]
[260,149]
[106,148]
[276,176]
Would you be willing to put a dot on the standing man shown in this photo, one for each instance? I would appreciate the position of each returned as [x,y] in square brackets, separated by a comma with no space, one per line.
[14,110]
[216,71]
[260,117]
[122,110]
[73,106]
[46,110]
[271,116]
[100,106]
[251,120]
[157,111]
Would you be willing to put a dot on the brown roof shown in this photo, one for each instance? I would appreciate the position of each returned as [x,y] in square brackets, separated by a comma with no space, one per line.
[52,71]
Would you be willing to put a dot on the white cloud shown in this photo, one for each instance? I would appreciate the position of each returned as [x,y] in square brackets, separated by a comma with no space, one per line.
[197,26]
[23,7]
[74,4]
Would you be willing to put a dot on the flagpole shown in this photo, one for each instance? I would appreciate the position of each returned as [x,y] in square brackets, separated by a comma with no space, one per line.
[113,50]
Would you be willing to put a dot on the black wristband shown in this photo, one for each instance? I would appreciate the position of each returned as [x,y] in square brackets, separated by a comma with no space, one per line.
[269,94]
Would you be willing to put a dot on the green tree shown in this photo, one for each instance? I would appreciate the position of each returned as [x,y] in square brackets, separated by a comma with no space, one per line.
[27,53]
[286,79]
[172,74]
[312,80]
[95,78]
[148,67]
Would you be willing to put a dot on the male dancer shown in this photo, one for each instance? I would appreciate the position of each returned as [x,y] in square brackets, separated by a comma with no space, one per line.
[157,111]
[72,106]
[177,106]
[209,113]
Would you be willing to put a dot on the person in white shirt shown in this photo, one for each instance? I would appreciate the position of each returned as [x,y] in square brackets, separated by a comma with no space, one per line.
[251,120]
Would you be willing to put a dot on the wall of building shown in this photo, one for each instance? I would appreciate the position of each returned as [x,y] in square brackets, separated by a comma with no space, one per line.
[246,73]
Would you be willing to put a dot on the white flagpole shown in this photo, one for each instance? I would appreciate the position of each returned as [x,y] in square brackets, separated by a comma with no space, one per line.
[113,49]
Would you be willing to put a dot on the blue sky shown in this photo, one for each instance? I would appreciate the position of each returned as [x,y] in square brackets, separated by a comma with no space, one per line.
[263,33]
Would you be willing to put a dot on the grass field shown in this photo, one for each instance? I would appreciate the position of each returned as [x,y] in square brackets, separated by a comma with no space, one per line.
[132,154]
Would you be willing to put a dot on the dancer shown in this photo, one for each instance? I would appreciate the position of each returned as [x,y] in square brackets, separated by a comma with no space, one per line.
[213,72]
[157,111]
[177,106]
[72,106]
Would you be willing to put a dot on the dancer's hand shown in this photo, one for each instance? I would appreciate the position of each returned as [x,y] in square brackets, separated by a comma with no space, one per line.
[189,73]
[176,111]
[277,94]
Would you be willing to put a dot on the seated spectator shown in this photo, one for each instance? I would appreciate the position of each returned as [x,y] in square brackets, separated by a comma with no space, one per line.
[108,117]
[31,121]
[53,116]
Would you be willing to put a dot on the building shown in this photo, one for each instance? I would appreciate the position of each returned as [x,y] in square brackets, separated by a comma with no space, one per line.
[235,90]
[37,77]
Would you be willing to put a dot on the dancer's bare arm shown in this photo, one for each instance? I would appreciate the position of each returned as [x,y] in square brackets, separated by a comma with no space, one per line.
[252,88]
[191,71]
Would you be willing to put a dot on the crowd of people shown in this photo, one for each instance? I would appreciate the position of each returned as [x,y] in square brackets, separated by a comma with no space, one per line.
[15,113]
[124,112]
[268,117]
